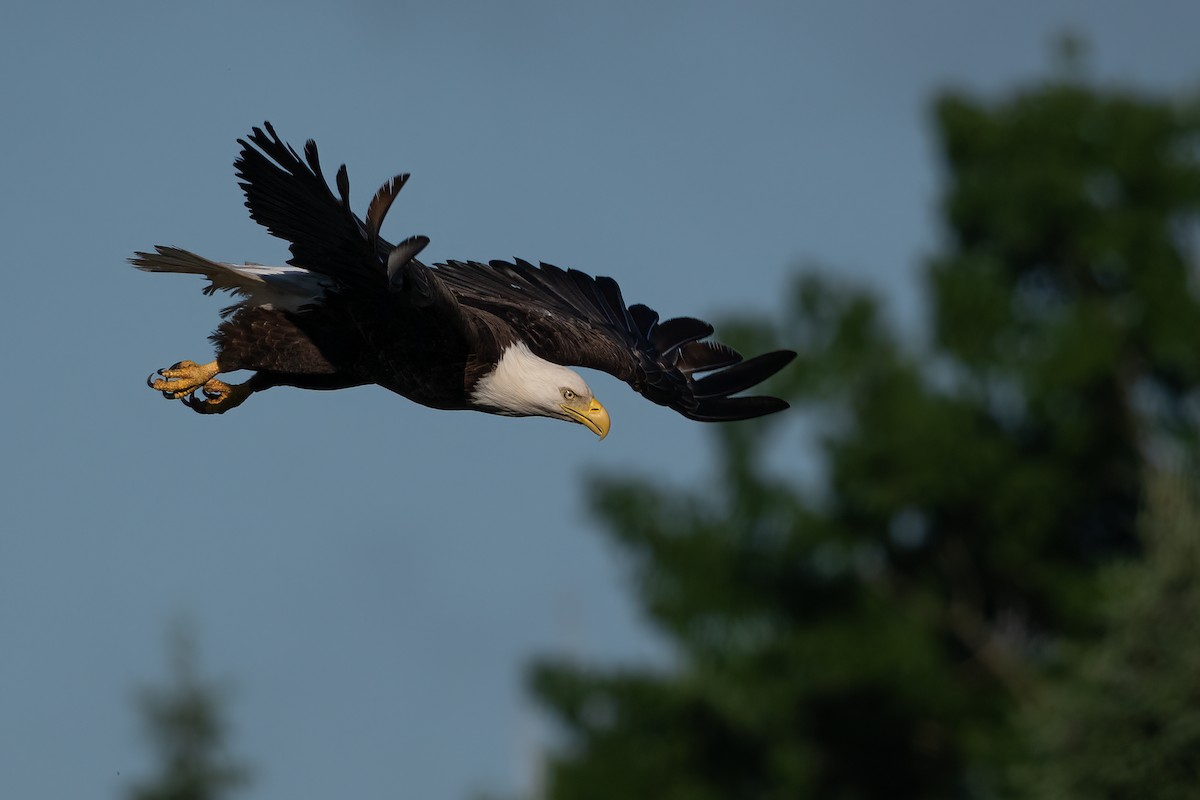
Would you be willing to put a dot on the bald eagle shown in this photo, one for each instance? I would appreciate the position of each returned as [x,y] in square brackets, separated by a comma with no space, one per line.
[352,309]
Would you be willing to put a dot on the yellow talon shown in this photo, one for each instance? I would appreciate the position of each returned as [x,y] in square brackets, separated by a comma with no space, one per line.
[183,379]
[219,397]
[198,387]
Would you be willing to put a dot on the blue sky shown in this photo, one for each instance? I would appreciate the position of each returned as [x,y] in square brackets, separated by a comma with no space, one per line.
[369,574]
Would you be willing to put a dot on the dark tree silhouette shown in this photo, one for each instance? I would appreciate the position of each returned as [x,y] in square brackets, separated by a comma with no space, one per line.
[185,723]
[880,634]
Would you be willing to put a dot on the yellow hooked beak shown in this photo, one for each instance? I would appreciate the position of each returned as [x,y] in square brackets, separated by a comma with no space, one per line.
[593,415]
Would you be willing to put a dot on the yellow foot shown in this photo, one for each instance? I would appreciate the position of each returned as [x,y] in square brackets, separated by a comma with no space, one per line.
[182,379]
[218,397]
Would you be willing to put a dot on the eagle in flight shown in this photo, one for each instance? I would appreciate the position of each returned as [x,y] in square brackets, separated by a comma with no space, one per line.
[351,308]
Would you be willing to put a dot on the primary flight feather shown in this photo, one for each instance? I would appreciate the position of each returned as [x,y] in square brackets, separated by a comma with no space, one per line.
[352,309]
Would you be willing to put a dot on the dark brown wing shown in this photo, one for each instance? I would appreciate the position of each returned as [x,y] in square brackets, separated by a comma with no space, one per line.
[573,319]
[289,196]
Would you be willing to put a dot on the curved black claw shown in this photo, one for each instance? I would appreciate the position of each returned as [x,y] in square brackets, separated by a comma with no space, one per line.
[201,405]
[182,378]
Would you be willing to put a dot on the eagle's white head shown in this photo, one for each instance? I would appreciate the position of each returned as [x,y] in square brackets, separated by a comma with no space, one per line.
[526,385]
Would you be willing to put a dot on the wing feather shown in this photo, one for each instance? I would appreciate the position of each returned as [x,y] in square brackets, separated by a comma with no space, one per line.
[571,318]
[674,333]
[724,409]
[289,196]
[741,376]
[704,356]
[644,318]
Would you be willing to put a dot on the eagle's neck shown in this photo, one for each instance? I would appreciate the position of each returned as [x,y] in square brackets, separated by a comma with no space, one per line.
[522,384]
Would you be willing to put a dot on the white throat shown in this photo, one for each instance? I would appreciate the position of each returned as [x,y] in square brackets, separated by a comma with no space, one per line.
[525,385]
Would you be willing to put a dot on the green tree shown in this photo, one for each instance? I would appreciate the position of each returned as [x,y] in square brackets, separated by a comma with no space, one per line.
[876,634]
[184,721]
[1125,720]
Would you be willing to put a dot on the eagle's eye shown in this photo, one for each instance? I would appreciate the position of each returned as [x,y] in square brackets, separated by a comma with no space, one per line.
[568,394]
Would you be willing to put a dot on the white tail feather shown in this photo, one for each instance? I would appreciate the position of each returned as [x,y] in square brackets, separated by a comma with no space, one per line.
[286,287]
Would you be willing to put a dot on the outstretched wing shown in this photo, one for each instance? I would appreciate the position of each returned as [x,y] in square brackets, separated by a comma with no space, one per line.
[290,197]
[571,318]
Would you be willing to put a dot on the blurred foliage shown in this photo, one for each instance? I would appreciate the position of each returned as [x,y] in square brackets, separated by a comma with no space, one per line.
[184,722]
[1125,722]
[888,632]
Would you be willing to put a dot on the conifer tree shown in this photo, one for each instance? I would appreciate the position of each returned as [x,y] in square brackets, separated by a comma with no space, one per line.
[877,634]
[185,723]
[1124,720]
